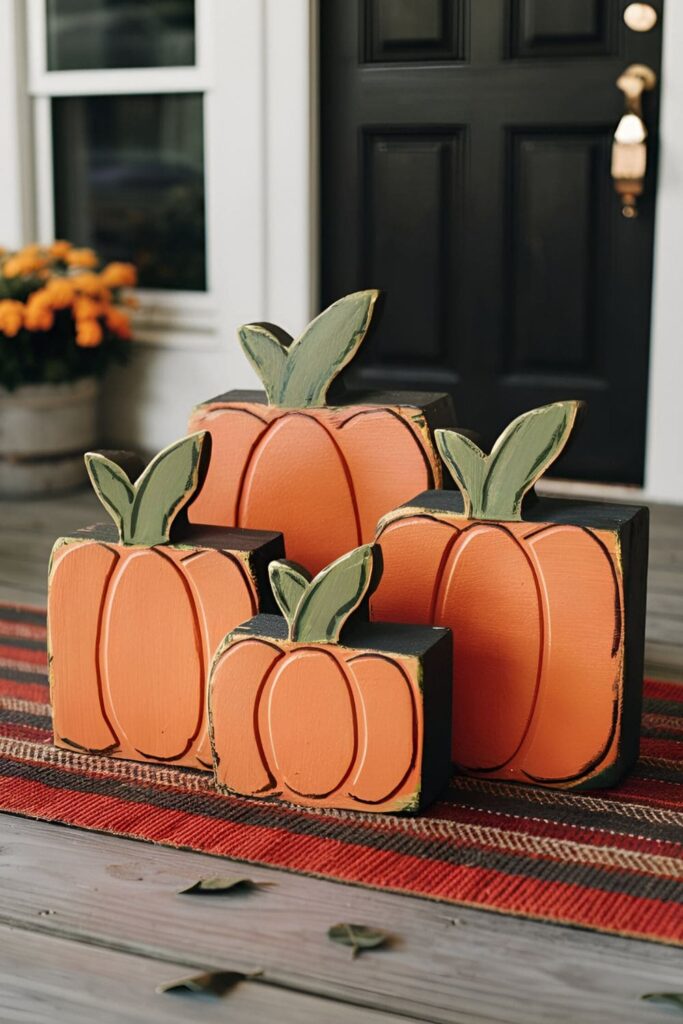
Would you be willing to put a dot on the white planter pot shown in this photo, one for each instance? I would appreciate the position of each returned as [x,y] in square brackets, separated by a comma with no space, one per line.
[44,430]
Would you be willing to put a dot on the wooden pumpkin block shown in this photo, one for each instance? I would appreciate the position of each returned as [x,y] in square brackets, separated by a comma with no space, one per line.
[317,711]
[136,611]
[547,608]
[321,473]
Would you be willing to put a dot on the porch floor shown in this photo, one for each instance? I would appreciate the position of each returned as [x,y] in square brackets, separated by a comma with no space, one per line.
[87,928]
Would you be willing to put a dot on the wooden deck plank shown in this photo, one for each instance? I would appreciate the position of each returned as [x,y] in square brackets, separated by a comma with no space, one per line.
[45,979]
[446,964]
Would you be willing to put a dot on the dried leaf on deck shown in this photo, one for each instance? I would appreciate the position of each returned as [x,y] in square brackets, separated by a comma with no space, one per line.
[221,885]
[672,999]
[215,983]
[358,936]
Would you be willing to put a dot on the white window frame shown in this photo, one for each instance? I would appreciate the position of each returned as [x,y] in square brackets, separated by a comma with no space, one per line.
[257,67]
[176,318]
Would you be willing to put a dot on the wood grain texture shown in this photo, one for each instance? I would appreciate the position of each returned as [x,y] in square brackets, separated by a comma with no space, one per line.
[444,964]
[42,981]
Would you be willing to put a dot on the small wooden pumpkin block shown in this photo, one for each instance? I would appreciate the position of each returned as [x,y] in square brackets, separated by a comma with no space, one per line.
[358,721]
[135,613]
[322,474]
[547,608]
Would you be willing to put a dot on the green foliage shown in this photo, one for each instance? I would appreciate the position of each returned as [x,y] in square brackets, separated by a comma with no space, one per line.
[52,357]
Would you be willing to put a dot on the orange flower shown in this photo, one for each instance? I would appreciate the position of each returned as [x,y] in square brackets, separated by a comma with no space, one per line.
[81,258]
[11,317]
[88,333]
[118,322]
[59,292]
[90,284]
[120,275]
[23,263]
[38,317]
[86,308]
[59,249]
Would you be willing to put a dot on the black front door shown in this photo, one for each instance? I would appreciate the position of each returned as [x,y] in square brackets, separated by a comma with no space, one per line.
[466,172]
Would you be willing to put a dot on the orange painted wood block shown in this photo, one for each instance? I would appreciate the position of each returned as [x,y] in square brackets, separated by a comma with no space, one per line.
[547,609]
[315,711]
[335,466]
[135,614]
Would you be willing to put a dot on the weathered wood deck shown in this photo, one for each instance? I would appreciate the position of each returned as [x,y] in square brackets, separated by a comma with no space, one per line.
[90,924]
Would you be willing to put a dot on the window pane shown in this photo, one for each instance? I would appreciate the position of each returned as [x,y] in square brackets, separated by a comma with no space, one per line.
[119,34]
[129,181]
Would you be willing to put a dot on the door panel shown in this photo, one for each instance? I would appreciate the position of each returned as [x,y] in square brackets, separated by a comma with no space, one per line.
[541,28]
[401,30]
[411,184]
[466,172]
[558,183]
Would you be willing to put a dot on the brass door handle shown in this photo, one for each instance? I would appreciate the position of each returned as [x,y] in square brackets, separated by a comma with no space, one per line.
[629,151]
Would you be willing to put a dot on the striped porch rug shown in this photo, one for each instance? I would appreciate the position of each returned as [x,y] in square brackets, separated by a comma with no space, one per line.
[611,860]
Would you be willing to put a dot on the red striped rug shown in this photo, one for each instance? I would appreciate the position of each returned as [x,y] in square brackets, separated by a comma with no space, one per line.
[611,860]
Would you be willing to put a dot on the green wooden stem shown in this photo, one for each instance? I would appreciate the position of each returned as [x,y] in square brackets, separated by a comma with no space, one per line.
[297,374]
[144,511]
[493,486]
[317,609]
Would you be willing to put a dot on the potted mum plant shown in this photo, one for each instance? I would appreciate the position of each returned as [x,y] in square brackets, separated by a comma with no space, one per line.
[63,320]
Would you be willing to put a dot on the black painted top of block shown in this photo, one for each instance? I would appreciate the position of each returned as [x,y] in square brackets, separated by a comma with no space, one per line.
[598,515]
[383,637]
[222,538]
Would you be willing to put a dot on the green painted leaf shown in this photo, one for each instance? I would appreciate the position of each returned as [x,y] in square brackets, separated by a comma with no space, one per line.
[114,490]
[215,983]
[358,936]
[289,582]
[466,463]
[522,454]
[297,374]
[493,486]
[332,597]
[221,885]
[166,485]
[671,999]
[268,355]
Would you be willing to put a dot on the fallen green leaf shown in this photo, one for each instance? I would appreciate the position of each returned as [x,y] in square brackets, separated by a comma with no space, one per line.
[358,936]
[673,999]
[215,983]
[221,885]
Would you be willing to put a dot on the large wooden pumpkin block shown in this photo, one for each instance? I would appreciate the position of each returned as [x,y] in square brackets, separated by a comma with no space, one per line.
[321,473]
[318,712]
[136,611]
[547,608]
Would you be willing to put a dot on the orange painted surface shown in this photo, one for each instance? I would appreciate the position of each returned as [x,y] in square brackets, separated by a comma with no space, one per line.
[316,724]
[536,617]
[132,633]
[321,476]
